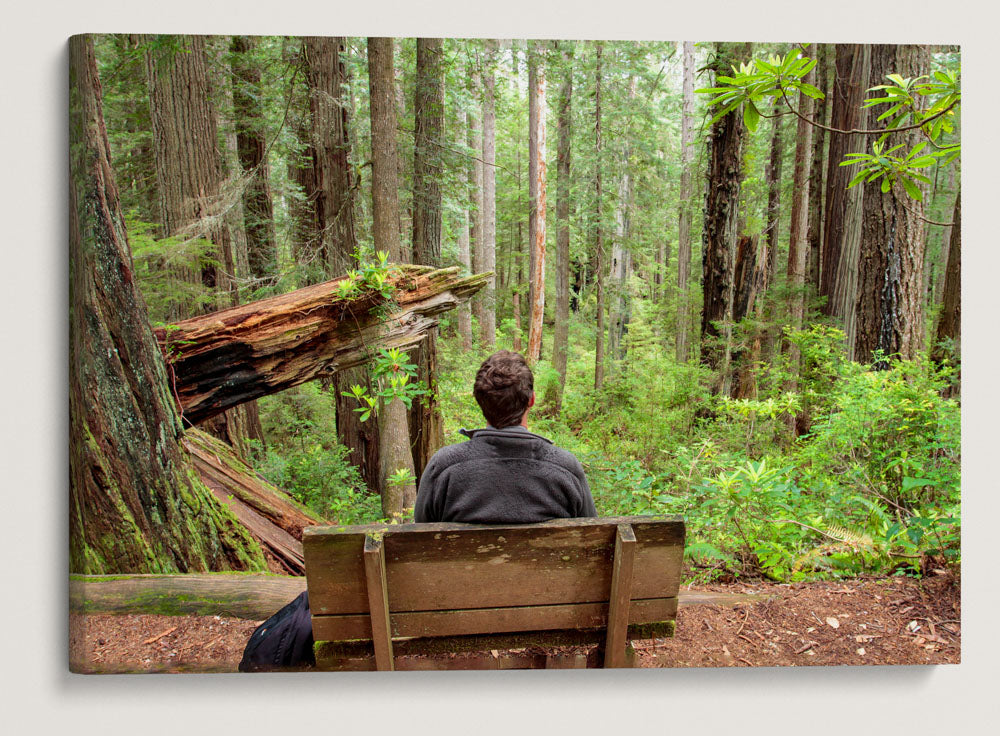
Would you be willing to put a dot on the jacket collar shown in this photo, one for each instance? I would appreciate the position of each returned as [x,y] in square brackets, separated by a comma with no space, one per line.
[516,431]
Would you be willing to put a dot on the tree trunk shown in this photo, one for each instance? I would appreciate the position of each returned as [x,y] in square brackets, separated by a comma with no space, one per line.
[135,503]
[538,210]
[751,276]
[258,211]
[487,327]
[949,328]
[189,178]
[427,139]
[394,432]
[426,425]
[798,242]
[188,172]
[532,59]
[890,298]
[598,226]
[333,181]
[684,211]
[842,216]
[385,164]
[464,317]
[239,354]
[475,142]
[621,254]
[816,171]
[720,229]
[773,176]
[561,338]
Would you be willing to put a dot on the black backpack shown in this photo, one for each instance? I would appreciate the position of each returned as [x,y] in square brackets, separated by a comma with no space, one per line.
[284,641]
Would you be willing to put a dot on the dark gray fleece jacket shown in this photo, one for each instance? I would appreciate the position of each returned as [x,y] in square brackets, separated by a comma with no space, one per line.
[503,476]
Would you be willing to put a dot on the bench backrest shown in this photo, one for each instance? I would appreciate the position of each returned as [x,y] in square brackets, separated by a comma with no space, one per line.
[430,580]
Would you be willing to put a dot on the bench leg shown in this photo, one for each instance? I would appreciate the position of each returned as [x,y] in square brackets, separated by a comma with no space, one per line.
[620,598]
[378,601]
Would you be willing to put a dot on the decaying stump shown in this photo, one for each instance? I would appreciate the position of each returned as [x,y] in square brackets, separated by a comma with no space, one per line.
[225,358]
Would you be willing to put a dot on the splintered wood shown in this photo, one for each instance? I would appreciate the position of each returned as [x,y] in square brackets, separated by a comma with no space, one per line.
[219,360]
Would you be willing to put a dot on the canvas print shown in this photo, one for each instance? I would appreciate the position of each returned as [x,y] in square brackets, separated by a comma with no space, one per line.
[424,353]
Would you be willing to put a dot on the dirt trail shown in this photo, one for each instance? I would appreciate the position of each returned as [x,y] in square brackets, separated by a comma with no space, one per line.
[855,622]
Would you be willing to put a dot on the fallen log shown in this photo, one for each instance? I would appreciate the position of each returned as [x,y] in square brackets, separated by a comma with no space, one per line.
[247,596]
[225,358]
[253,597]
[273,517]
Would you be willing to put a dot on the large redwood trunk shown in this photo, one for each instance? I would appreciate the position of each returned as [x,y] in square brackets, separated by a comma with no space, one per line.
[426,424]
[890,298]
[332,178]
[135,503]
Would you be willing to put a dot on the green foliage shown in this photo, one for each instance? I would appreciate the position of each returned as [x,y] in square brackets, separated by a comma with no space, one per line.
[928,103]
[164,268]
[391,372]
[303,457]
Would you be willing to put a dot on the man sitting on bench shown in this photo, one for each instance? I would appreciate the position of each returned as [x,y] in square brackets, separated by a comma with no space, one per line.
[504,474]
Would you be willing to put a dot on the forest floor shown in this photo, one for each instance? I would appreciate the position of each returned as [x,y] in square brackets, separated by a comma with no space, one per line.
[862,621]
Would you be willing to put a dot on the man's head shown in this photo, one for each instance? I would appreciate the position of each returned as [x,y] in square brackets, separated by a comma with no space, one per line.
[504,388]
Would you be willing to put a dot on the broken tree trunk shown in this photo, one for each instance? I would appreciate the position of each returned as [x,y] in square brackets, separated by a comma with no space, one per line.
[219,360]
[271,516]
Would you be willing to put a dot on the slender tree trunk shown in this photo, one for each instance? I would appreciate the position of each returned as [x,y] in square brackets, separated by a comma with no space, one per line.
[251,145]
[464,312]
[487,328]
[136,504]
[561,338]
[538,208]
[475,142]
[816,171]
[385,164]
[532,59]
[720,229]
[394,431]
[427,139]
[598,225]
[773,176]
[798,242]
[949,326]
[621,254]
[684,214]
[842,216]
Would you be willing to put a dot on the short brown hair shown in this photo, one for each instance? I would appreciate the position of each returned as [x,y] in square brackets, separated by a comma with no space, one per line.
[503,389]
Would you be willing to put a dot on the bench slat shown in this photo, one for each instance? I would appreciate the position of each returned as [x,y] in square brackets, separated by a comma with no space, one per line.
[492,620]
[440,567]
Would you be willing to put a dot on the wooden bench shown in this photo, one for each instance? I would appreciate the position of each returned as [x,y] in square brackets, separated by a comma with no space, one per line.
[464,596]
